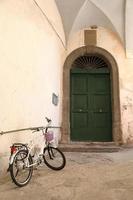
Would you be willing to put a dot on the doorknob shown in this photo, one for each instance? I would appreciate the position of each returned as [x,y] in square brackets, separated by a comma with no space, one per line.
[80,110]
[100,110]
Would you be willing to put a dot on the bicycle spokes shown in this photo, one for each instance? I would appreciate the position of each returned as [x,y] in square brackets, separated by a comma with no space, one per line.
[20,171]
[54,158]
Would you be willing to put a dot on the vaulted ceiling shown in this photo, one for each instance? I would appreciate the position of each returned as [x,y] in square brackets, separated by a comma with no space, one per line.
[79,14]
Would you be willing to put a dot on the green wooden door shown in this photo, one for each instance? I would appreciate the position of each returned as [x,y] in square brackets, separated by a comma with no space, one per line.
[90,116]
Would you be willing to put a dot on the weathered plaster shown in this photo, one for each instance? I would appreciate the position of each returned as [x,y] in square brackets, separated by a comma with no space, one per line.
[129,28]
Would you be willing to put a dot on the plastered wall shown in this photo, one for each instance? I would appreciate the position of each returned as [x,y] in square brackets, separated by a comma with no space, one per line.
[31,57]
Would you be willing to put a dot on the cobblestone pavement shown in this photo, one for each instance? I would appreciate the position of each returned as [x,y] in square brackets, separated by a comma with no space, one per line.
[87,176]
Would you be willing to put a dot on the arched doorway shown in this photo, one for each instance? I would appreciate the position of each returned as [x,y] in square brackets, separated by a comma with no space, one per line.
[90,99]
[112,70]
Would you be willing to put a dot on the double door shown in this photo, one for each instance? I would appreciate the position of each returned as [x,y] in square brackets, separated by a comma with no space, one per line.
[90,109]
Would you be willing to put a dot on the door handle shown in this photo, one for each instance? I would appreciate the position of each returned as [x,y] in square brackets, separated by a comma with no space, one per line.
[100,110]
[80,110]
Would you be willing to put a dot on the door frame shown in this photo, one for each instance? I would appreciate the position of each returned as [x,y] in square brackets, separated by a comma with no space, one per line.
[115,101]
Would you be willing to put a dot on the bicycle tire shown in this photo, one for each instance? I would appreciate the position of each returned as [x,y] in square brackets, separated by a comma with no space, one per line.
[54,158]
[19,167]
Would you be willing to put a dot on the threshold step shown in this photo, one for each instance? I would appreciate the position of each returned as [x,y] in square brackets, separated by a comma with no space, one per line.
[89,148]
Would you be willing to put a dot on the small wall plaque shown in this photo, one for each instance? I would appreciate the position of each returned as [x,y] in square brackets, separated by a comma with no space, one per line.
[55,99]
[90,37]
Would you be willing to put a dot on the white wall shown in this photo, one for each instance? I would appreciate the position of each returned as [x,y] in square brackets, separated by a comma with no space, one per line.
[129,28]
[31,57]
[115,12]
[90,15]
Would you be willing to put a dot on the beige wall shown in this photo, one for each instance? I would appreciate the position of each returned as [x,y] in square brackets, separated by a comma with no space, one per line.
[31,57]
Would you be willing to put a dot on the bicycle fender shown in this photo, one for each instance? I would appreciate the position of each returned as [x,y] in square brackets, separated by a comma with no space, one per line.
[11,158]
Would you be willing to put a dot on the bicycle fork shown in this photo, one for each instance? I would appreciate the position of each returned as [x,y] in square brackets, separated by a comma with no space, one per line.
[50,152]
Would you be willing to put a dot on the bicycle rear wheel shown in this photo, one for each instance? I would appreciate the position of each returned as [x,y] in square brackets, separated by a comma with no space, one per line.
[54,158]
[20,173]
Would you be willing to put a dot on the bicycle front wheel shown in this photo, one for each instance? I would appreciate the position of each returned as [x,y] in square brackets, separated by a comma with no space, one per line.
[54,158]
[20,169]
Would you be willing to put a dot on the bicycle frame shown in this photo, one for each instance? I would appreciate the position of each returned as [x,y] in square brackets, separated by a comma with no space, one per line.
[30,147]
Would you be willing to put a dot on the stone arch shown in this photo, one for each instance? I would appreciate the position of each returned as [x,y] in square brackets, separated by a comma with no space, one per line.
[116,117]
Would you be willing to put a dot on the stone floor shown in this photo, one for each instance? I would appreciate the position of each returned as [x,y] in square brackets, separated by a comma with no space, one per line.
[87,176]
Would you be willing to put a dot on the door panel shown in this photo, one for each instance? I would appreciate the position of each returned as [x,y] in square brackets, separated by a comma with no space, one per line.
[80,120]
[79,84]
[79,102]
[101,83]
[101,103]
[90,116]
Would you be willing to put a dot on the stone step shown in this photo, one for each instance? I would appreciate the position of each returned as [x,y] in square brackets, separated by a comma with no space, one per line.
[89,147]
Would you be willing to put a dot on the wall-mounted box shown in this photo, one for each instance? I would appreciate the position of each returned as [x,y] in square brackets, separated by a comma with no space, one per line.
[55,99]
[90,37]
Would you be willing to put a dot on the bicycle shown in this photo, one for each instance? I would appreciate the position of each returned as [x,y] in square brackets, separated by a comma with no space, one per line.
[21,160]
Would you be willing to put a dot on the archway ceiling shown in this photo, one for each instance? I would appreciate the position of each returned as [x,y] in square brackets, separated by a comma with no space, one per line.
[78,14]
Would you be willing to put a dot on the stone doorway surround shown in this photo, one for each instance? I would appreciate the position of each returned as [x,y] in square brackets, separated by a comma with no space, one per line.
[115,101]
